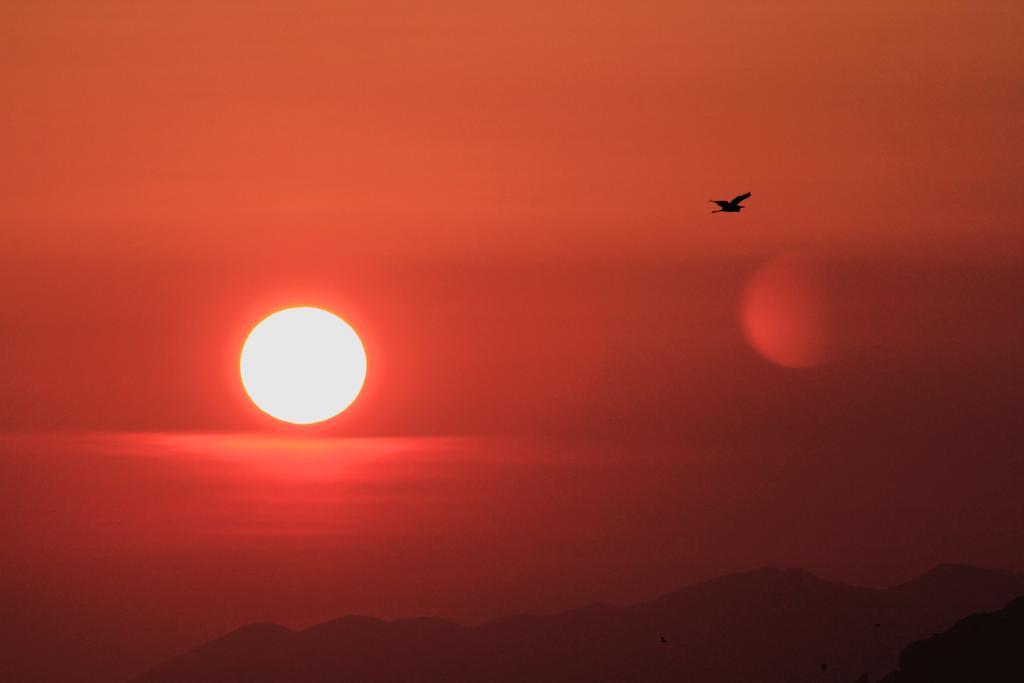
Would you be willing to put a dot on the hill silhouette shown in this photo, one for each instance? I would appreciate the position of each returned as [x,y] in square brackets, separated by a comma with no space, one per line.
[764,625]
[985,647]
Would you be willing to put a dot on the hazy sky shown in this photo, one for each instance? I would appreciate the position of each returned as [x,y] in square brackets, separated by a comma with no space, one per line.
[173,171]
[509,204]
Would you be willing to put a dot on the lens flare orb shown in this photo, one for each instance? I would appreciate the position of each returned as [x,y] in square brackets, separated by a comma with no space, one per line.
[785,312]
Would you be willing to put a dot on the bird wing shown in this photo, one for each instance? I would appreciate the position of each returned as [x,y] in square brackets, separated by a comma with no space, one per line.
[721,202]
[739,198]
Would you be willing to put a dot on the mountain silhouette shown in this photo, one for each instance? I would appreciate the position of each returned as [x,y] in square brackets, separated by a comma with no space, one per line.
[985,647]
[764,625]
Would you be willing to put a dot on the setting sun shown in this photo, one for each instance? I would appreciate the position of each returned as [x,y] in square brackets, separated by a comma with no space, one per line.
[303,365]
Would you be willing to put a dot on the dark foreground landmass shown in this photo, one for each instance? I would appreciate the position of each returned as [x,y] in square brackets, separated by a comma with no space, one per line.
[767,625]
[983,648]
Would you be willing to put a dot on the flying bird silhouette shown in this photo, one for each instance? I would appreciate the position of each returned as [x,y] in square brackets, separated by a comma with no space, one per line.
[663,639]
[731,206]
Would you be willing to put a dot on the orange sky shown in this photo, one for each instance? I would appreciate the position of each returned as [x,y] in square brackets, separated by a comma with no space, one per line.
[173,171]
[376,130]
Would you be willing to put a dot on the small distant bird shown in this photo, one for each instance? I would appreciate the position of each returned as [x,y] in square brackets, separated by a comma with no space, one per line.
[663,639]
[824,666]
[731,206]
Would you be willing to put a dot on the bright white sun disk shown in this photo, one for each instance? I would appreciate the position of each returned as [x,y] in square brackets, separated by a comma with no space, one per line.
[303,365]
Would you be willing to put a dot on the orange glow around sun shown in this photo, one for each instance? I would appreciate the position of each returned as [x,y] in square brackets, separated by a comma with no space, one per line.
[303,365]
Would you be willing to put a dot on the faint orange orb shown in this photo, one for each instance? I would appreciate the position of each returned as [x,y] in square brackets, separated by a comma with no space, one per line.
[303,365]
[784,312]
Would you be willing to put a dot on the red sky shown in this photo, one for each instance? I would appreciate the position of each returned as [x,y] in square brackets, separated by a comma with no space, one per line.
[510,206]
